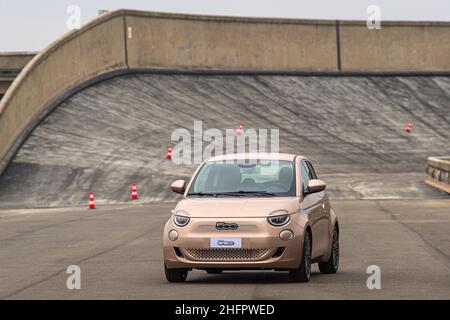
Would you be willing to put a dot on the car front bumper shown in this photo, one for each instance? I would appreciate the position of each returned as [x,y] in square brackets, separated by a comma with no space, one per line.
[261,246]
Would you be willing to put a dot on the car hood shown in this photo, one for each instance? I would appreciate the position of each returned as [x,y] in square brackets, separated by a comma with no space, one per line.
[236,207]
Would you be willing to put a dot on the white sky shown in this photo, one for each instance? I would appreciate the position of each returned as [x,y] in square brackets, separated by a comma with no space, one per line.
[30,25]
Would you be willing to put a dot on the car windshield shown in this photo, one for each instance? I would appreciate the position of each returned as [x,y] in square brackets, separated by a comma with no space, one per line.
[259,178]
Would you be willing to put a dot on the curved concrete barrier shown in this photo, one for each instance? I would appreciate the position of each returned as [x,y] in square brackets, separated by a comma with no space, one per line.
[438,168]
[78,56]
[123,41]
[117,132]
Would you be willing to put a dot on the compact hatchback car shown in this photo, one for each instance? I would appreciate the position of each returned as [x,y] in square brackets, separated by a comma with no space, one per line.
[252,211]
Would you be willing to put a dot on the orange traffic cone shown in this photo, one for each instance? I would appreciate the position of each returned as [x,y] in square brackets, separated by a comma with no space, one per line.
[408,127]
[134,194]
[91,201]
[169,153]
[240,130]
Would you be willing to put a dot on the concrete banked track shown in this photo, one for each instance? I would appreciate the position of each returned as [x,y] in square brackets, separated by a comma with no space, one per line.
[117,131]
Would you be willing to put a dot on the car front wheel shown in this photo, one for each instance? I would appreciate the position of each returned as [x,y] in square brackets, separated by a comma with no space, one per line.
[332,265]
[175,275]
[303,273]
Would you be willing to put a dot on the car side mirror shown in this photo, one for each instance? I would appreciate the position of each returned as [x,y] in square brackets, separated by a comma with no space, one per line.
[178,186]
[316,185]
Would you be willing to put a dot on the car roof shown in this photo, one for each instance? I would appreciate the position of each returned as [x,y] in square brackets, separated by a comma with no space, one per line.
[264,156]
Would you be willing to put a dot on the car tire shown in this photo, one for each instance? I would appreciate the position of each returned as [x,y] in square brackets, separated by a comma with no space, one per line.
[332,265]
[214,271]
[175,275]
[303,272]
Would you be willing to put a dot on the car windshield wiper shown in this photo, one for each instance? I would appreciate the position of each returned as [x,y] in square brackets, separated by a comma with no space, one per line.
[230,194]
[201,194]
[243,193]
[214,194]
[240,193]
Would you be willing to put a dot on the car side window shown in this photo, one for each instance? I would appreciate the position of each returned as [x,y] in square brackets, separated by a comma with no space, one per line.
[305,176]
[312,172]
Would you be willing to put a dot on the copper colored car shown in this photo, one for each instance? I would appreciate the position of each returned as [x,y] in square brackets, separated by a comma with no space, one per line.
[252,212]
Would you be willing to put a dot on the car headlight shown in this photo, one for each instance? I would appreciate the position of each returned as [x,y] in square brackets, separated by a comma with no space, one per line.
[180,218]
[278,219]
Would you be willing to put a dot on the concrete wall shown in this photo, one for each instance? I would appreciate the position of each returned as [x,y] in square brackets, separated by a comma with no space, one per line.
[11,63]
[124,40]
[196,42]
[439,169]
[80,55]
[15,60]
[396,47]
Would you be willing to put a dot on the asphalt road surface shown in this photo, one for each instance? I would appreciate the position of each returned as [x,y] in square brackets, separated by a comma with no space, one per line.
[118,249]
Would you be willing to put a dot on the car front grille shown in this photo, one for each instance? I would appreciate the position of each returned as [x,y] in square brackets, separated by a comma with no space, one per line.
[229,254]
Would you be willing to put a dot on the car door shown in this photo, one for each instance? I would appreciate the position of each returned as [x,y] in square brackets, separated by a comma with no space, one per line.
[324,220]
[312,205]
